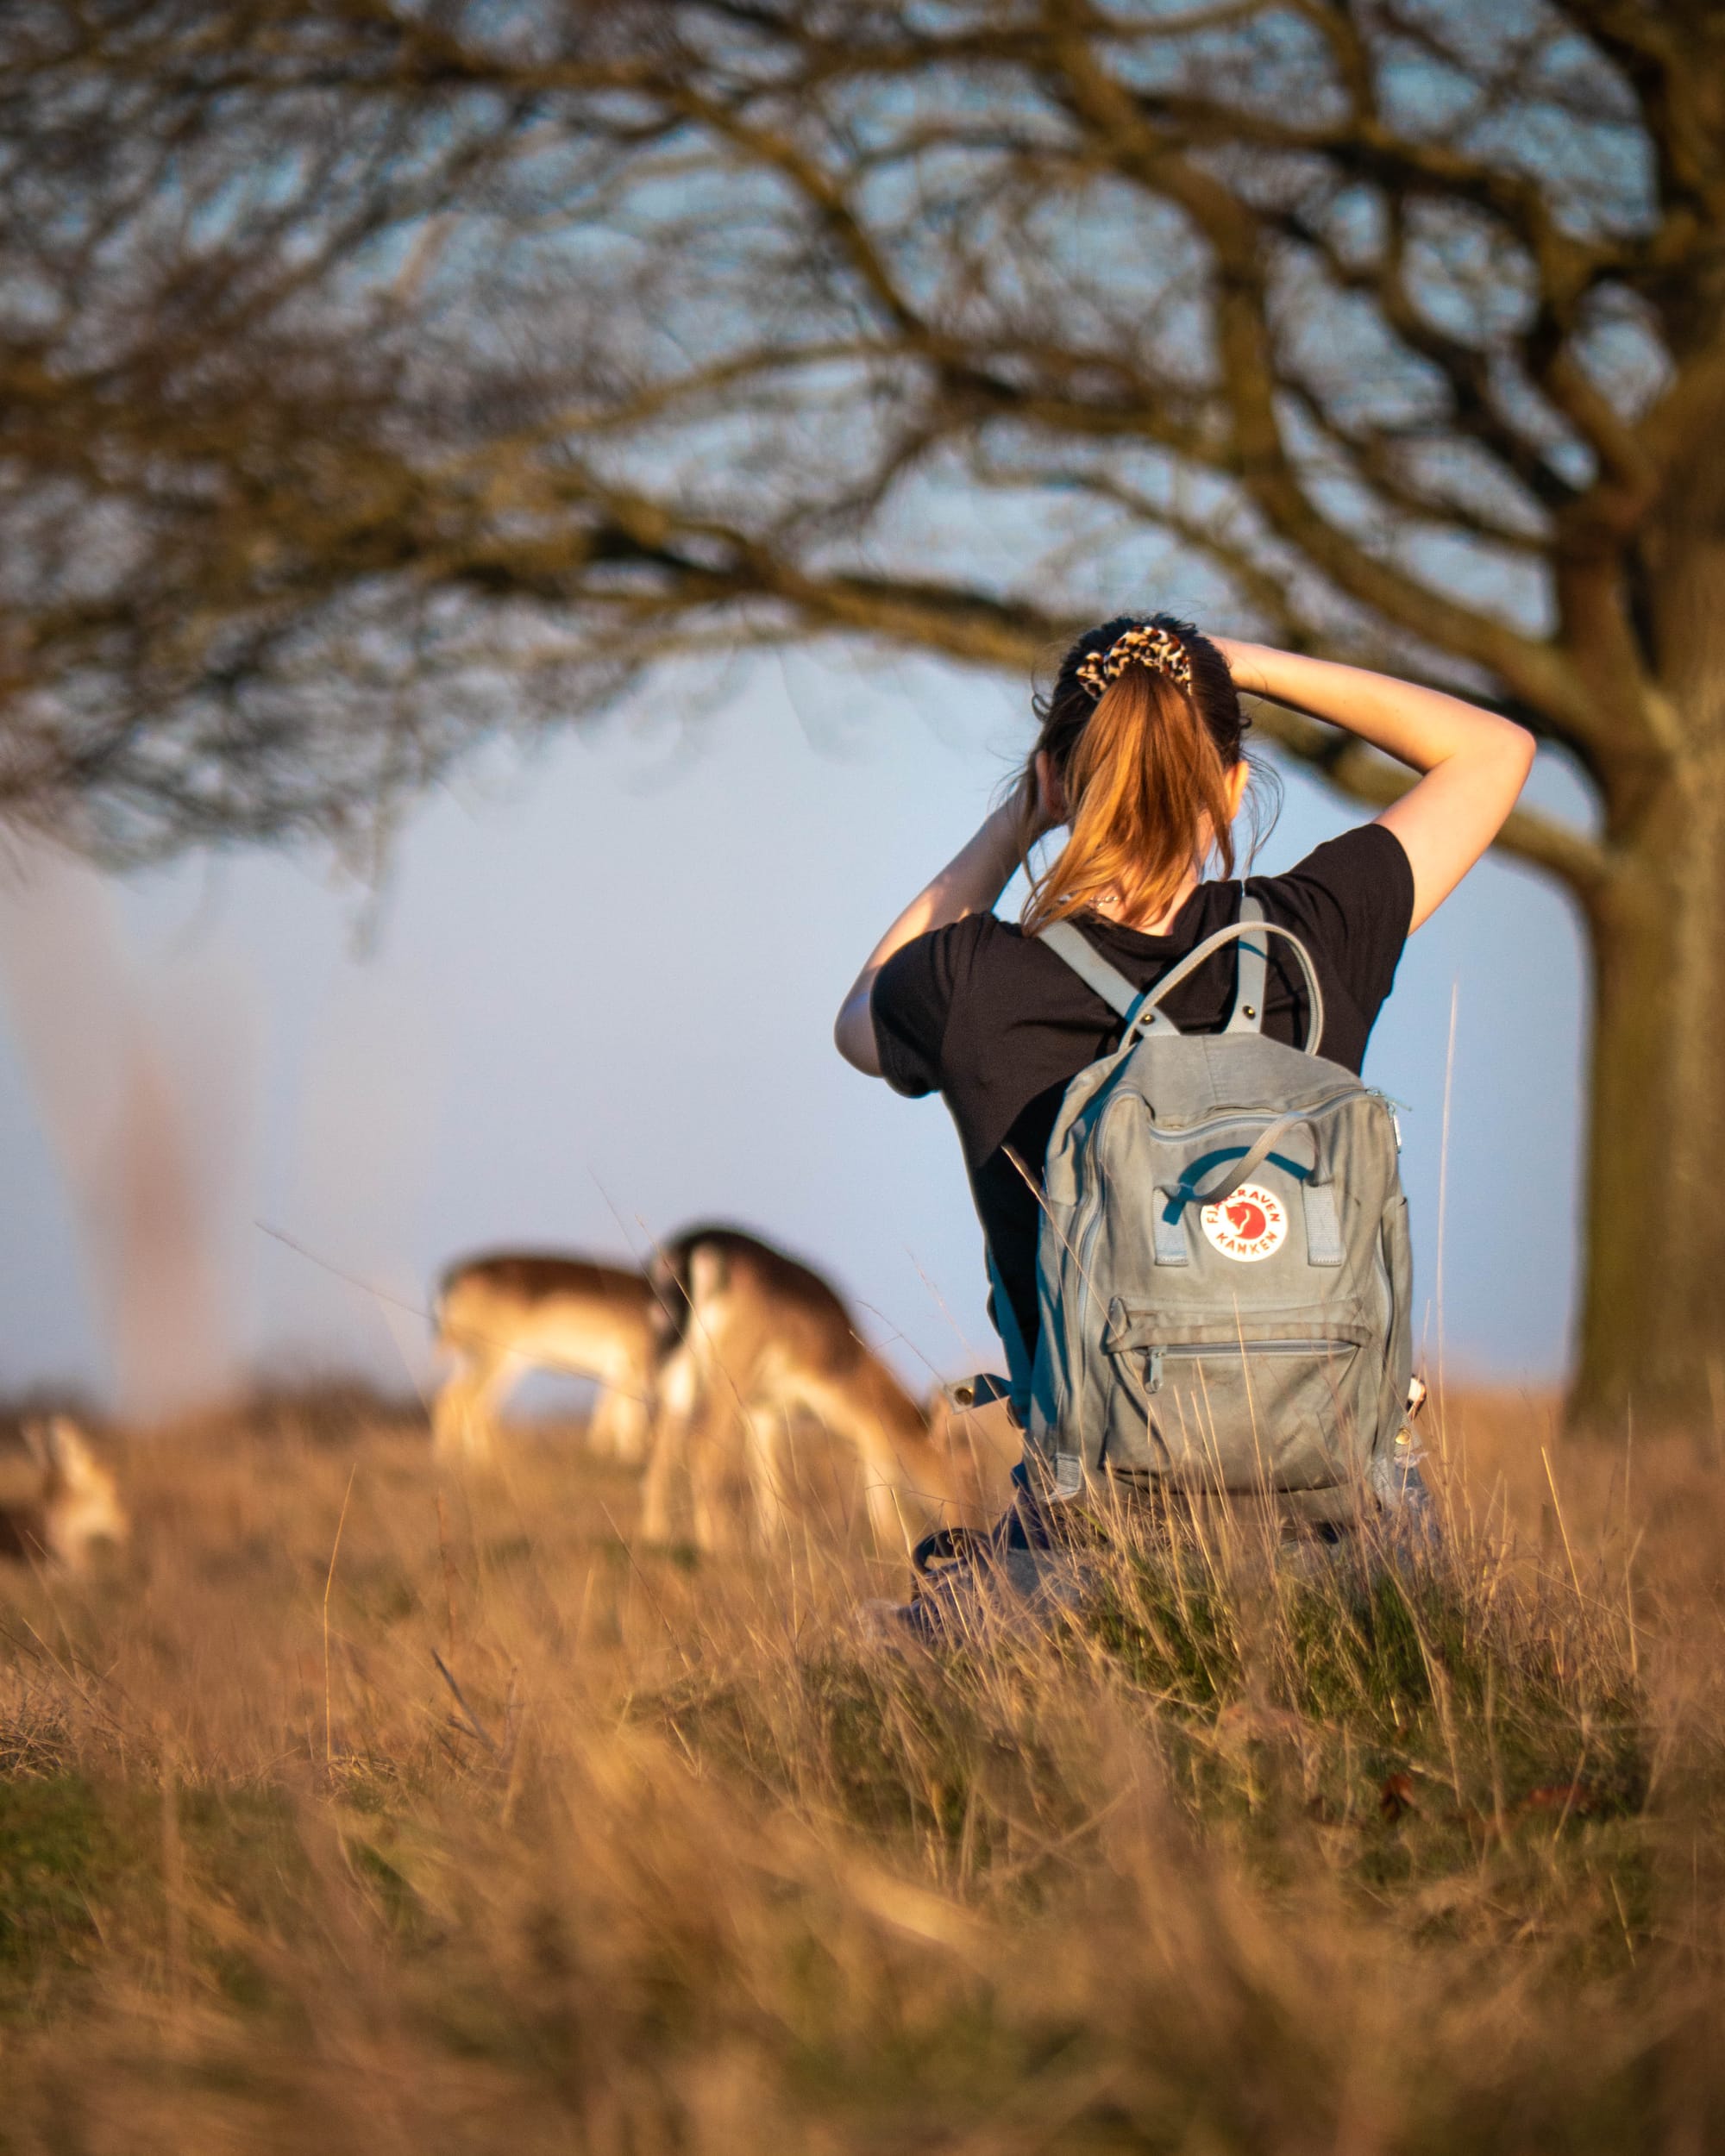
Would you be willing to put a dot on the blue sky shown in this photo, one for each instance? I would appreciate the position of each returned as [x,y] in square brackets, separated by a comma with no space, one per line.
[593,1002]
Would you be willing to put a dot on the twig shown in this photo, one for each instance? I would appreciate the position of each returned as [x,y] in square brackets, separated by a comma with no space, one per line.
[448,1571]
[628,1549]
[475,1726]
[509,1731]
[174,1883]
[1629,1603]
[1443,1415]
[330,1581]
[1557,1507]
[1623,1918]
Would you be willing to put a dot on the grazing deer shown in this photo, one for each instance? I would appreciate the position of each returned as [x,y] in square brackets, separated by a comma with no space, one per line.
[501,1315]
[76,1505]
[751,1339]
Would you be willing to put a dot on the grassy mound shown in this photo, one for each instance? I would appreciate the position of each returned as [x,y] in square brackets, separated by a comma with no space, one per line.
[473,1827]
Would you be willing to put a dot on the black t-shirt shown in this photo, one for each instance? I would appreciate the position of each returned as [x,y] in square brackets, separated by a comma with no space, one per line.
[999,1027]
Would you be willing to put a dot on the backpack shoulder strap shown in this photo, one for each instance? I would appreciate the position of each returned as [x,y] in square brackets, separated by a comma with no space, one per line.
[1074,947]
[1247,1015]
[1142,1009]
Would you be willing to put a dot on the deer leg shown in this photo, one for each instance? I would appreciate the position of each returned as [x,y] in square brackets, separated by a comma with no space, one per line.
[902,1498]
[633,1423]
[602,1423]
[897,1511]
[488,1398]
[722,1428]
[459,1427]
[619,1426]
[680,1393]
[765,1435]
[488,1386]
[448,1411]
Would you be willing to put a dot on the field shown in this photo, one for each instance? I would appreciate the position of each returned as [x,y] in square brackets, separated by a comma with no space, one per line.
[357,1807]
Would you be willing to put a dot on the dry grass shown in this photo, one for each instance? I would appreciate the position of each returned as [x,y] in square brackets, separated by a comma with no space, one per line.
[671,1860]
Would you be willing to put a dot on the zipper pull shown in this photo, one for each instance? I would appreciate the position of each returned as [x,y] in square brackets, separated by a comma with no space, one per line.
[1392,1104]
[1152,1371]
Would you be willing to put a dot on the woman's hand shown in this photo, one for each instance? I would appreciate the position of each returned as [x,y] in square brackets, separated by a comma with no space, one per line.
[1041,798]
[1473,763]
[1247,678]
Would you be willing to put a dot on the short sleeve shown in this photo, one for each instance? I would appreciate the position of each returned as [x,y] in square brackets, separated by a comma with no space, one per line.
[1355,893]
[911,1000]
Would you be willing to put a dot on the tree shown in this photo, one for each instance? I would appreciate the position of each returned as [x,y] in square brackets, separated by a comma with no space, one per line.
[379,373]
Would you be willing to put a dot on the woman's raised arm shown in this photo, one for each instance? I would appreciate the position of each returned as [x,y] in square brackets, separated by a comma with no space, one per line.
[1474,764]
[970,883]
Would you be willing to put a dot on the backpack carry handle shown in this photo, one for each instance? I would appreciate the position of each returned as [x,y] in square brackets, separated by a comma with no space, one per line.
[1142,1009]
[1150,1012]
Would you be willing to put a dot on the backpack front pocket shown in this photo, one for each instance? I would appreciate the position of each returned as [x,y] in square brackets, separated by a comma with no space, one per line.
[1269,1402]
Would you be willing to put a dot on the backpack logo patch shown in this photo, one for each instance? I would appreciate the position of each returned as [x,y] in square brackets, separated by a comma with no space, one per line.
[1249,1225]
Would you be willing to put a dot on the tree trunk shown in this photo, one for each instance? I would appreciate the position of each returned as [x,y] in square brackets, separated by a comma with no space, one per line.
[1652,1334]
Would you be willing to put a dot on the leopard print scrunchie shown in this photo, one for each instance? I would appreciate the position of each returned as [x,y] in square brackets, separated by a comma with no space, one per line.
[1156,648]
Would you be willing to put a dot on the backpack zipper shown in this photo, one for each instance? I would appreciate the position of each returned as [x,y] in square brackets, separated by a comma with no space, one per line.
[1394,1106]
[1189,1350]
[1323,1106]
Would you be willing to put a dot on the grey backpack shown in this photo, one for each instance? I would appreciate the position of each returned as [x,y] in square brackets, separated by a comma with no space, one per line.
[1224,1275]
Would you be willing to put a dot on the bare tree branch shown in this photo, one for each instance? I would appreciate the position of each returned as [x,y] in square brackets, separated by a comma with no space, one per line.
[456,363]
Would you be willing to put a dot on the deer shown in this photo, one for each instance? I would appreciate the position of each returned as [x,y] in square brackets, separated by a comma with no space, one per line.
[748,1340]
[505,1313]
[76,1505]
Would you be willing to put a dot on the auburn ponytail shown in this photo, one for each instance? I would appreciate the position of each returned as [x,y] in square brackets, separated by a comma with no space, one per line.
[1143,728]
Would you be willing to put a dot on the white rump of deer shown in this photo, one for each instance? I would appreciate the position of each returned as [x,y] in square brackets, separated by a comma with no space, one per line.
[76,1504]
[753,1340]
[502,1315]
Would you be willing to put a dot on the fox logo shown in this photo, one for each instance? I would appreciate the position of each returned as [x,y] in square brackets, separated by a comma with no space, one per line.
[1250,1224]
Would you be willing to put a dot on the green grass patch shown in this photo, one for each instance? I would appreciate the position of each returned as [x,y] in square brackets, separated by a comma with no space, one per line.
[62,1856]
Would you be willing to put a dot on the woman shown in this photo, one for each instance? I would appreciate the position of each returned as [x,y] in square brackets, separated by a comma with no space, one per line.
[1140,759]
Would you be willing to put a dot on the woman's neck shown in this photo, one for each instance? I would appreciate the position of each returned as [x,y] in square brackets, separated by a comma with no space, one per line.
[1114,908]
